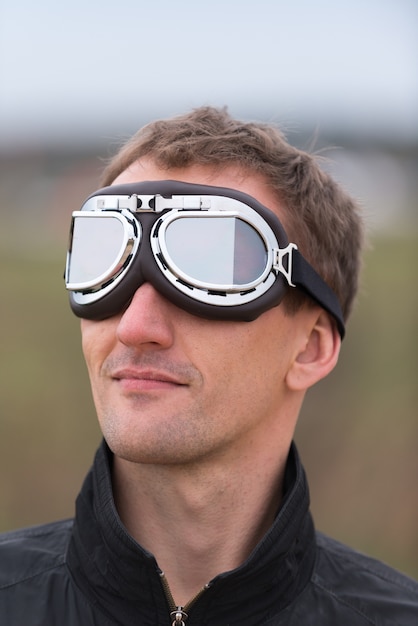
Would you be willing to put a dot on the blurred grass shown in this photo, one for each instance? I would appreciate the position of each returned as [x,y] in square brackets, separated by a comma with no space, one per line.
[358,432]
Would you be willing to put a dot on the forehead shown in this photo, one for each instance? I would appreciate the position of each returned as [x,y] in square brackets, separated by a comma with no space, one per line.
[252,183]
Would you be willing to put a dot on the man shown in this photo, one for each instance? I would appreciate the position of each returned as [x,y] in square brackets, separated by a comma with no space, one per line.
[213,275]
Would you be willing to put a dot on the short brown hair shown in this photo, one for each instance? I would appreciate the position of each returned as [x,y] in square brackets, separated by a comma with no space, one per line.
[321,218]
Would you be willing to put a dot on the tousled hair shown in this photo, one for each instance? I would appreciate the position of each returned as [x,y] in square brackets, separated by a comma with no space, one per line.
[320,217]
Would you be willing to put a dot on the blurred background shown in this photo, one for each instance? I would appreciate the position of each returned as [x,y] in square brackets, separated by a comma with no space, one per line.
[340,78]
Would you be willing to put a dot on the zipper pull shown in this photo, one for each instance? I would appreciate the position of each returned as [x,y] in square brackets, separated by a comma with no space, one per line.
[179,617]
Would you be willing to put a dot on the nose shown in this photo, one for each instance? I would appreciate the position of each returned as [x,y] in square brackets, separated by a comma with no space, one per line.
[148,319]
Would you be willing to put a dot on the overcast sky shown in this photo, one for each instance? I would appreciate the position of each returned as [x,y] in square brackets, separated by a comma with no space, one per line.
[95,67]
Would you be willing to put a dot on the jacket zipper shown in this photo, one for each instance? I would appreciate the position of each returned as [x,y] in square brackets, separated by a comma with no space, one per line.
[179,614]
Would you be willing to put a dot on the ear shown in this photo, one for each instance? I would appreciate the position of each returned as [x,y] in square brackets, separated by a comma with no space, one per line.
[317,356]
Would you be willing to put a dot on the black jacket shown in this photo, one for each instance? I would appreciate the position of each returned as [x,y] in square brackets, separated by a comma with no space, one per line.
[91,572]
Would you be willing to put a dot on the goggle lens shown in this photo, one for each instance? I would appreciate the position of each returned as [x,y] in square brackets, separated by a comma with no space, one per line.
[98,249]
[216,251]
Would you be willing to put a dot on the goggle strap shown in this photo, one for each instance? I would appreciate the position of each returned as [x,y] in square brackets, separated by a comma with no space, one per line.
[305,277]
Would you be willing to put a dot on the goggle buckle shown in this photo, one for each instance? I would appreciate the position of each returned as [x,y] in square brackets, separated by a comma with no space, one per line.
[282,261]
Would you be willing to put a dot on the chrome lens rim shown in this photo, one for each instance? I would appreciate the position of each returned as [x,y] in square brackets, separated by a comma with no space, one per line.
[226,294]
[93,289]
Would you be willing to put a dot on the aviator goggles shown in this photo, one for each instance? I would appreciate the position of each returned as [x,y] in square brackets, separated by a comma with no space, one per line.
[215,252]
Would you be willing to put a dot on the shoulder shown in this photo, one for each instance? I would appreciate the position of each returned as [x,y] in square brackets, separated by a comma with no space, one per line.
[29,552]
[370,589]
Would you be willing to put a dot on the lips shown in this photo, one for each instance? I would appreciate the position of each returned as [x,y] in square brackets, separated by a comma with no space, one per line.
[146,380]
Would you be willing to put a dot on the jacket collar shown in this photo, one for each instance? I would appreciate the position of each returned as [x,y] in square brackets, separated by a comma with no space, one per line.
[123,580]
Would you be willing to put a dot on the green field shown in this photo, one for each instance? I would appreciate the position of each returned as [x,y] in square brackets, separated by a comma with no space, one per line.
[358,433]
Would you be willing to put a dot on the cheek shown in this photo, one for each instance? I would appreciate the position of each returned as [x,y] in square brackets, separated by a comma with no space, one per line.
[243,380]
[97,340]
[259,354]
[241,359]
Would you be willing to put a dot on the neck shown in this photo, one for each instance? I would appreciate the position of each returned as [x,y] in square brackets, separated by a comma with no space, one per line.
[198,520]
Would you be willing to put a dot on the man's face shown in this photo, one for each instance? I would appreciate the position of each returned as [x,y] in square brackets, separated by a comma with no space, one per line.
[170,387]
